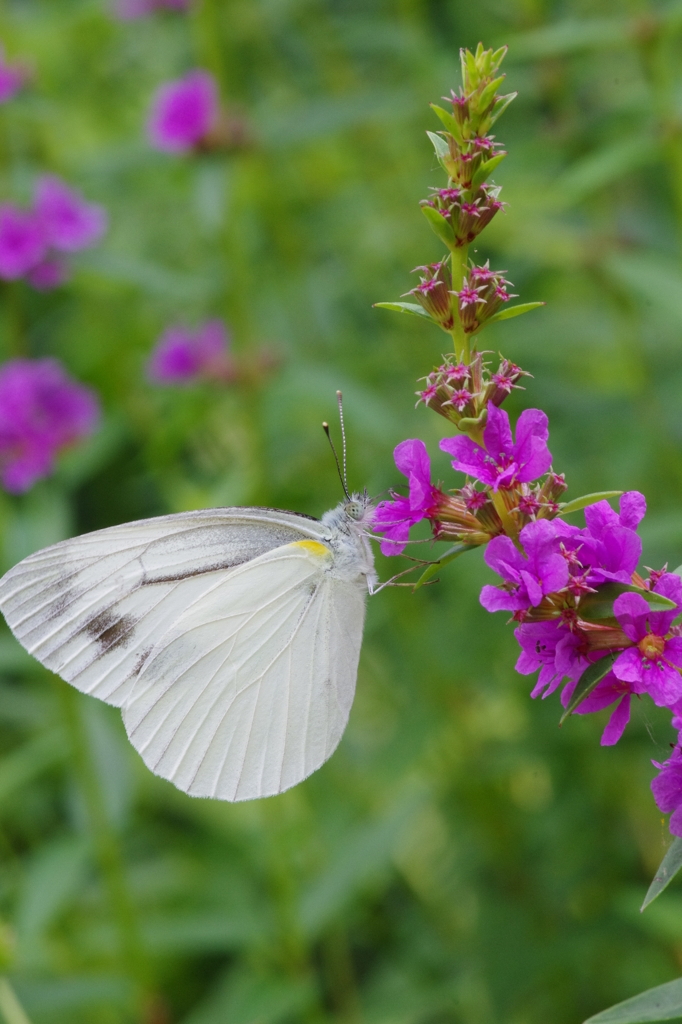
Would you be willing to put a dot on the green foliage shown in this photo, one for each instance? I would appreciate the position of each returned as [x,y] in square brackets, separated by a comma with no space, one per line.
[459,860]
[668,868]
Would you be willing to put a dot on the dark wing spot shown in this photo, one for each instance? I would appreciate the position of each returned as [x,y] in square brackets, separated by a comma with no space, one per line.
[110,630]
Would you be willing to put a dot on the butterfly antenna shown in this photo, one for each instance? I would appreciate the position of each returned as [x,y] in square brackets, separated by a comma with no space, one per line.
[325,427]
[339,399]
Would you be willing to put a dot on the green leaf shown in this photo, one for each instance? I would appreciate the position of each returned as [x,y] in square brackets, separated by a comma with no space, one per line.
[585,500]
[405,307]
[448,121]
[661,1003]
[486,168]
[590,679]
[441,147]
[509,312]
[500,107]
[454,552]
[599,606]
[442,227]
[668,868]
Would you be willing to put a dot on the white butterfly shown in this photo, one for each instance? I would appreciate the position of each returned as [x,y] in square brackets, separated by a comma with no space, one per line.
[229,637]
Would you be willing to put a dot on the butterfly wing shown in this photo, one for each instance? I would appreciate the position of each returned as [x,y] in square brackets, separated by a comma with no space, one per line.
[90,609]
[223,634]
[251,690]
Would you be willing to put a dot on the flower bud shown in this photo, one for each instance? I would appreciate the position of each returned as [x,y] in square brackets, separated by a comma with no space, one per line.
[433,293]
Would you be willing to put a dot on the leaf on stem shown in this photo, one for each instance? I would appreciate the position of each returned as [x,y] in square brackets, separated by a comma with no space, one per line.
[599,606]
[661,1003]
[448,122]
[454,552]
[404,307]
[511,311]
[668,868]
[442,227]
[441,147]
[587,499]
[588,681]
[486,169]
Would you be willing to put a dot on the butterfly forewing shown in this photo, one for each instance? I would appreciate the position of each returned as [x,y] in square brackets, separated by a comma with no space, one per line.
[224,635]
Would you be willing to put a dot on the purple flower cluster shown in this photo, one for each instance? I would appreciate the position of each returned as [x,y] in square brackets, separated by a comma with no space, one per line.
[184,112]
[33,242]
[42,410]
[183,356]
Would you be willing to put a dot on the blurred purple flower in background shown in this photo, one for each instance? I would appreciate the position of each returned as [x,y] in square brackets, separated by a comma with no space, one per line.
[22,242]
[12,78]
[60,220]
[182,356]
[183,112]
[42,410]
[69,222]
[130,9]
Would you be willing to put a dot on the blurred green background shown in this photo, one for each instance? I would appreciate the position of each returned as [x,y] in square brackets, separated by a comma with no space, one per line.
[459,860]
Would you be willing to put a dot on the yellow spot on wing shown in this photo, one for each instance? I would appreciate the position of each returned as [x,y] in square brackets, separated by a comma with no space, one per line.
[314,547]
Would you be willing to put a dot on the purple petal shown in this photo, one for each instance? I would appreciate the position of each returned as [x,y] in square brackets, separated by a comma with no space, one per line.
[533,588]
[497,434]
[494,599]
[530,451]
[673,651]
[599,517]
[628,666]
[615,726]
[69,222]
[183,112]
[504,558]
[632,509]
[470,458]
[662,682]
[632,611]
[412,459]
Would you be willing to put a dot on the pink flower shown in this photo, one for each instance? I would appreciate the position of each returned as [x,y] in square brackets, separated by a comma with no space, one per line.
[609,691]
[49,274]
[652,664]
[41,411]
[22,241]
[503,462]
[182,356]
[183,112]
[394,518]
[69,222]
[542,570]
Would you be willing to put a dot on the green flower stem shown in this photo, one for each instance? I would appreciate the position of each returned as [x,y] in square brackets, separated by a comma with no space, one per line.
[107,846]
[460,339]
[10,1007]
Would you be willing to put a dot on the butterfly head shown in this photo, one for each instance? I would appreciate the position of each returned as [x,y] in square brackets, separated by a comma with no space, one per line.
[358,507]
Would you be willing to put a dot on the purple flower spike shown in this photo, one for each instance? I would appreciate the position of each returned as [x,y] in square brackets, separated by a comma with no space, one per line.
[183,112]
[22,242]
[503,463]
[69,222]
[182,356]
[652,664]
[667,790]
[394,518]
[543,571]
[41,411]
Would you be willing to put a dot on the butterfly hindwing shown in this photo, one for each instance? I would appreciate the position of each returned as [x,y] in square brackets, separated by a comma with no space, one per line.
[251,690]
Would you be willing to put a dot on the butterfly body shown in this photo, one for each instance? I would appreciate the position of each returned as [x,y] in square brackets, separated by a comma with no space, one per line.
[229,638]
